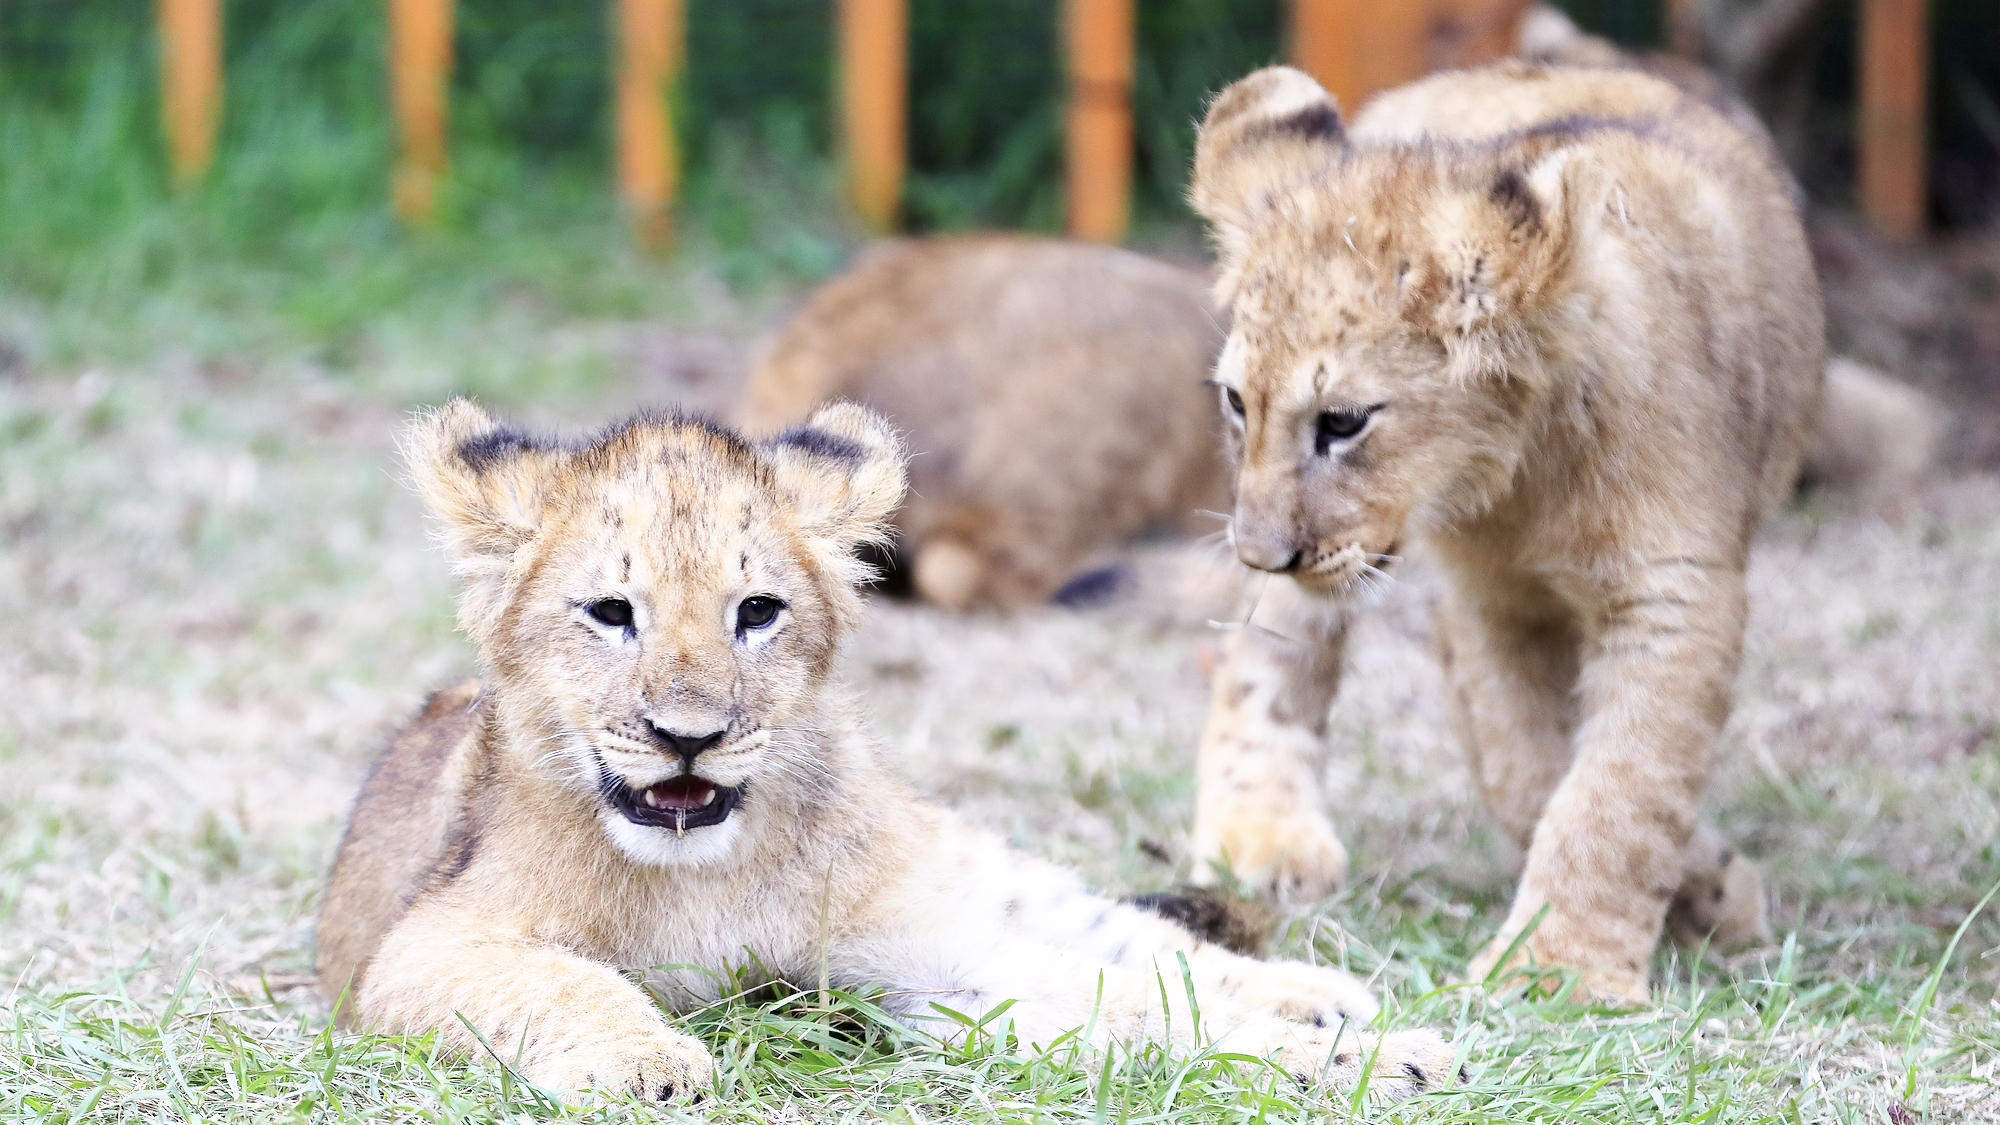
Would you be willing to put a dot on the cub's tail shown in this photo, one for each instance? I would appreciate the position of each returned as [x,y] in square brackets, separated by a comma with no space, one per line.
[1874,434]
[1237,924]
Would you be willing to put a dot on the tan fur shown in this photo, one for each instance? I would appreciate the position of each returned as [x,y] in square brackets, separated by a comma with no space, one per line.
[511,875]
[1051,393]
[1560,326]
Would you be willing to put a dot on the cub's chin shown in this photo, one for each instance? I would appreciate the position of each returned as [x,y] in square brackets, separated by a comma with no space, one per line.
[657,846]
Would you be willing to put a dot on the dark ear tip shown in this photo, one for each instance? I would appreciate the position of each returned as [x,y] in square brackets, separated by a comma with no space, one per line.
[820,443]
[481,452]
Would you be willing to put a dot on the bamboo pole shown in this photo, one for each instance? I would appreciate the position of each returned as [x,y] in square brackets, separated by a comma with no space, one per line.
[1356,48]
[652,40]
[1099,37]
[874,73]
[190,83]
[1894,84]
[420,73]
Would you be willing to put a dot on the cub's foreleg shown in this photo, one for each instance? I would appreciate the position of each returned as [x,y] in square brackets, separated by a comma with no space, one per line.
[1607,855]
[572,1023]
[1259,808]
[1236,1006]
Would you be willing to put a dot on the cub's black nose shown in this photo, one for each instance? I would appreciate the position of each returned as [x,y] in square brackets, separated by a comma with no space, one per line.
[687,745]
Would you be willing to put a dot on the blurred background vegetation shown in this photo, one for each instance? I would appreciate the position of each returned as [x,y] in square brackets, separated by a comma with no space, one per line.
[290,233]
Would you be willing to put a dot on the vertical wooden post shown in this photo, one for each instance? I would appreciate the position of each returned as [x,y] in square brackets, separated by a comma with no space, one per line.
[190,83]
[874,73]
[420,73]
[1895,73]
[652,40]
[1356,48]
[1098,120]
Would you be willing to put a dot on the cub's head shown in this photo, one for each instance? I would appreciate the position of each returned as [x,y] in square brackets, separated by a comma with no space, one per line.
[660,606]
[1383,357]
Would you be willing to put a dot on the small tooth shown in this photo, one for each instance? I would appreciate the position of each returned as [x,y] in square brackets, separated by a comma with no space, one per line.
[680,824]
[708,800]
[652,798]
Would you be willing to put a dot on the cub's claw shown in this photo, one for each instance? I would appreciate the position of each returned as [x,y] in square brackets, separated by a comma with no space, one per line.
[666,1066]
[1401,1064]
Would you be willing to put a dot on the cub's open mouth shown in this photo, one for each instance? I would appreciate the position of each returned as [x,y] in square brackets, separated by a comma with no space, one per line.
[679,803]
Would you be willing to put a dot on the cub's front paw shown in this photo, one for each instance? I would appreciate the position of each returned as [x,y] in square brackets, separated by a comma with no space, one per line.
[1401,1064]
[661,1066]
[1315,996]
[1296,857]
[1601,983]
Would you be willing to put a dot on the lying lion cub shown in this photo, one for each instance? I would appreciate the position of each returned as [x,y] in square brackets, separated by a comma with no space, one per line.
[655,773]
[1561,326]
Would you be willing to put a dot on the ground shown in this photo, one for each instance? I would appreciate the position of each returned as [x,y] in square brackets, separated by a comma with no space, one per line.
[217,600]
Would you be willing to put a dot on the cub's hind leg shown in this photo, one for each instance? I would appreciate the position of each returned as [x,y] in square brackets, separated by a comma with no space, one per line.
[1259,805]
[1509,653]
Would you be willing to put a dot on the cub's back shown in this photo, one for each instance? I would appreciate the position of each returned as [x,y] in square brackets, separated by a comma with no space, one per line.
[401,828]
[1050,392]
[1704,215]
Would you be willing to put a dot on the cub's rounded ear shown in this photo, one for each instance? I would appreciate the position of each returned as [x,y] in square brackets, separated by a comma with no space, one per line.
[1259,134]
[487,483]
[843,470]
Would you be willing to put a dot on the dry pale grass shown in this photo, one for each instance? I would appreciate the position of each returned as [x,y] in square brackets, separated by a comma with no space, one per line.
[216,601]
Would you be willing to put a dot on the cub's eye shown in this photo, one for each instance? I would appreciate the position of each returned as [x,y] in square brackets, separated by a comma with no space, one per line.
[757,612]
[613,612]
[1339,425]
[1229,396]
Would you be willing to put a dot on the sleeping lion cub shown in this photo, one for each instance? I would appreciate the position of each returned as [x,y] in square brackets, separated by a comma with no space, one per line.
[655,772]
[1560,326]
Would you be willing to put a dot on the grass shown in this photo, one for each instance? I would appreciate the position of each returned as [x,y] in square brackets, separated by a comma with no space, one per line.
[216,601]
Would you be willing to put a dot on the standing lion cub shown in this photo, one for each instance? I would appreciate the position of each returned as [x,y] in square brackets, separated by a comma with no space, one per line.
[655,783]
[1561,326]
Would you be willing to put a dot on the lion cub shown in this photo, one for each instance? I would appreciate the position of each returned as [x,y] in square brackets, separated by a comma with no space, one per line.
[1051,393]
[1562,327]
[655,782]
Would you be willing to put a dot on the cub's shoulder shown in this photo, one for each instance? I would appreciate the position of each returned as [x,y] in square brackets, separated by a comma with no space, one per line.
[400,828]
